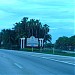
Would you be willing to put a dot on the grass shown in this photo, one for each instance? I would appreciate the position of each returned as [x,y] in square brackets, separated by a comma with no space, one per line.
[30,49]
[66,54]
[56,52]
[61,53]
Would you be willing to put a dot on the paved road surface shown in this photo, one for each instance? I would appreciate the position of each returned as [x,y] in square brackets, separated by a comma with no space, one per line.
[29,63]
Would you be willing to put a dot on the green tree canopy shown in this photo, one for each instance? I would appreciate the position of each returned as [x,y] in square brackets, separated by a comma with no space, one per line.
[25,28]
[65,43]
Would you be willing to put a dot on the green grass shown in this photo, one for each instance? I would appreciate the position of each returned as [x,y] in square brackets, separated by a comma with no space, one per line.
[60,53]
[30,49]
[66,54]
[56,52]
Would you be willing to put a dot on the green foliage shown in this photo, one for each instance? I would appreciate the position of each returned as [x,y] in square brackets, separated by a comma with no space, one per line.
[48,45]
[25,28]
[8,38]
[65,43]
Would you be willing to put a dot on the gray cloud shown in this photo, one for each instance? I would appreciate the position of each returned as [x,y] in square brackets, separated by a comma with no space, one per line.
[56,13]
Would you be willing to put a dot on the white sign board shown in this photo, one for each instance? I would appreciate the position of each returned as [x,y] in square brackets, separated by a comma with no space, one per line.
[32,41]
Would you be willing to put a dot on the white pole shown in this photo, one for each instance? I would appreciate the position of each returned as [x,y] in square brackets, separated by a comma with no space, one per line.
[21,43]
[42,42]
[32,49]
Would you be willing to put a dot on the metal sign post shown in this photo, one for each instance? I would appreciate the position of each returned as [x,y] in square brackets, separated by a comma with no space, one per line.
[32,46]
[32,49]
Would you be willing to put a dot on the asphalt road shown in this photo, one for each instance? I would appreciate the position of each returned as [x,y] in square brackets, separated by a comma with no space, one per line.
[29,63]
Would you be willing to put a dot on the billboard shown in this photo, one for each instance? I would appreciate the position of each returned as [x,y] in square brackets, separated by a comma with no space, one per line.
[32,41]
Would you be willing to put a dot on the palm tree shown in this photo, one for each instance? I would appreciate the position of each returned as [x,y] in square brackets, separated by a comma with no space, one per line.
[47,37]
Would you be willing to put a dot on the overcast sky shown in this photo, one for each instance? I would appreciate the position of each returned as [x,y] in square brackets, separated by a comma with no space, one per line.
[58,14]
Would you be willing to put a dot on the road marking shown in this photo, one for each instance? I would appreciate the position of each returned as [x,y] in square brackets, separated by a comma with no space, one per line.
[59,61]
[55,60]
[35,55]
[19,66]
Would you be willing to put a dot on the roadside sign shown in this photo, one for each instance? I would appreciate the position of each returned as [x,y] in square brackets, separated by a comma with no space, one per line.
[32,41]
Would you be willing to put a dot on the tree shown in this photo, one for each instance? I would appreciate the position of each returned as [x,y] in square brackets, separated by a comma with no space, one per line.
[0,38]
[62,42]
[72,43]
[65,43]
[25,28]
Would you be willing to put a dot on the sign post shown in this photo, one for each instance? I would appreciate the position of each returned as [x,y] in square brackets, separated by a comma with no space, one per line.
[32,47]
[22,43]
[41,43]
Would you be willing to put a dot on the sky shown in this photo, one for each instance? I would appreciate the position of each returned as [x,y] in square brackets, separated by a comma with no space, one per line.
[58,14]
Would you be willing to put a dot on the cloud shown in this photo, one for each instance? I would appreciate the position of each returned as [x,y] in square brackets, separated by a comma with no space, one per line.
[58,14]
[63,28]
[35,7]
[53,28]
[9,2]
[61,31]
[51,2]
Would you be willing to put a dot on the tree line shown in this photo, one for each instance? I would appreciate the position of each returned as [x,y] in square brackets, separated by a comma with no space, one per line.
[65,43]
[10,38]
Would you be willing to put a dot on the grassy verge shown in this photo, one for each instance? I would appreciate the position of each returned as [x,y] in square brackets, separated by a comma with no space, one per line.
[56,52]
[61,53]
[30,49]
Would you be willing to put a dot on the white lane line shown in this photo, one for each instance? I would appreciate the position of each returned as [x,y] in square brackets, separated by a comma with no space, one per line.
[35,55]
[59,61]
[19,66]
[55,60]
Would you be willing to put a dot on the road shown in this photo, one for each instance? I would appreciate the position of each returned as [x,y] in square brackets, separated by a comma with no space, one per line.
[30,63]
